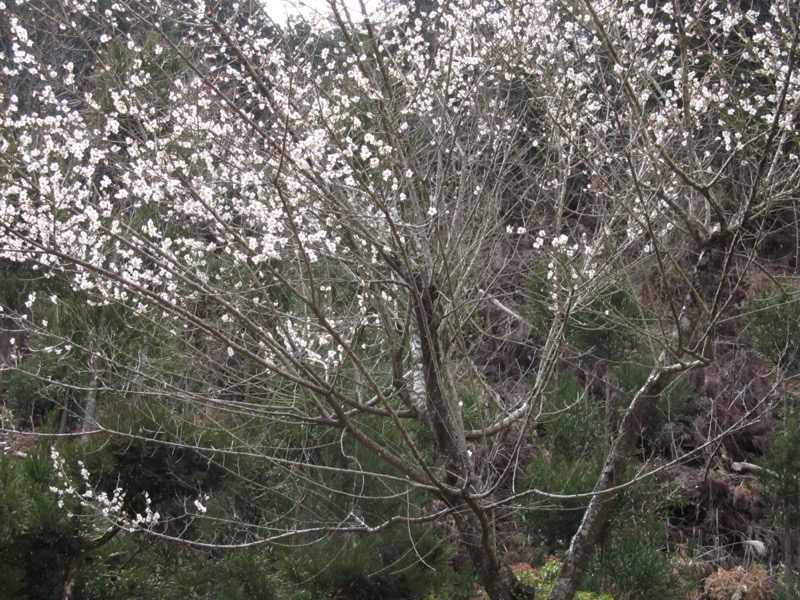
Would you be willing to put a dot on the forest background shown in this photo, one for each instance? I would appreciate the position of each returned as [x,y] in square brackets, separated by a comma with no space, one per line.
[469,298]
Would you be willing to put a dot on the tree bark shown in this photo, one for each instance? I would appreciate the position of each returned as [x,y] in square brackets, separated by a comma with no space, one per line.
[710,269]
[445,418]
[95,365]
[474,522]
[90,407]
[584,541]
[77,554]
[477,531]
[74,564]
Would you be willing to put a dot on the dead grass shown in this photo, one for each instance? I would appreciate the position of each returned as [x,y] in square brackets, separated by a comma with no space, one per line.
[739,584]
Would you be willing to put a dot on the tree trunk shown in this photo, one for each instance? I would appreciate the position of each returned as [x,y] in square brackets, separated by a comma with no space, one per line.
[445,417]
[584,541]
[63,417]
[474,522]
[710,269]
[476,529]
[74,564]
[95,364]
[77,554]
[788,558]
[90,407]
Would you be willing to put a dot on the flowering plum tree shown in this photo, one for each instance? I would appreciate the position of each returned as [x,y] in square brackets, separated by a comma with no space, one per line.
[321,224]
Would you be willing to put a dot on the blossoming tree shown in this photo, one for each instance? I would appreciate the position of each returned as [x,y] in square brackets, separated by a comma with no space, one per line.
[320,219]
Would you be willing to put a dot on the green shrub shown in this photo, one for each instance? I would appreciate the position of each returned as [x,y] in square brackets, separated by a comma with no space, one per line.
[638,568]
[568,462]
[34,533]
[657,428]
[556,521]
[173,572]
[573,423]
[774,328]
[30,393]
[634,565]
[782,467]
[397,564]
[607,328]
[543,579]
[781,477]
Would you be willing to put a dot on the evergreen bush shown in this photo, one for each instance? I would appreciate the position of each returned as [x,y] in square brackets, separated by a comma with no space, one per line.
[397,564]
[774,328]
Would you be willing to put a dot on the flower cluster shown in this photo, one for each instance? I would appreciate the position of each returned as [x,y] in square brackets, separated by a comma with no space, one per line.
[282,190]
[111,509]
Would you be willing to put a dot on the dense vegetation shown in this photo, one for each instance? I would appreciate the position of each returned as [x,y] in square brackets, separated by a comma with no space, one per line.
[464,299]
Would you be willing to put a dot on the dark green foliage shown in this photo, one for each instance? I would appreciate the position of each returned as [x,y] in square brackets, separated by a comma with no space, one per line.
[132,568]
[628,378]
[574,423]
[568,463]
[30,568]
[166,473]
[782,468]
[781,475]
[18,281]
[34,533]
[556,520]
[774,329]
[632,560]
[374,567]
[668,415]
[608,328]
[161,462]
[657,429]
[54,373]
[34,391]
[401,563]
[27,398]
[634,564]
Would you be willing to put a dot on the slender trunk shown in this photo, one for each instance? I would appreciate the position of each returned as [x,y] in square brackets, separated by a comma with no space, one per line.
[76,557]
[788,558]
[74,564]
[95,366]
[90,407]
[585,540]
[475,523]
[701,303]
[63,420]
[477,533]
[445,417]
